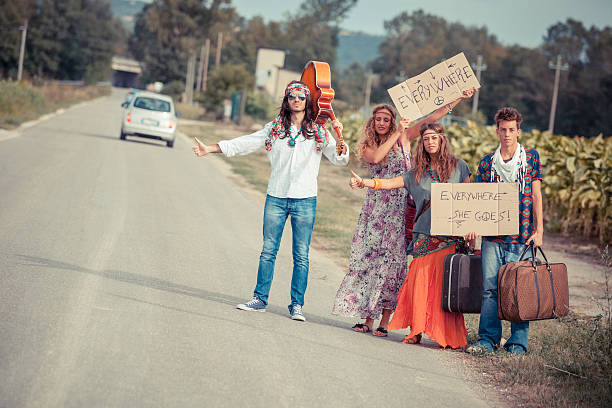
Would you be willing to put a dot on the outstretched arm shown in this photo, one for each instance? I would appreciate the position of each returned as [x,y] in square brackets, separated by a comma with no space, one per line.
[377,184]
[200,149]
[237,146]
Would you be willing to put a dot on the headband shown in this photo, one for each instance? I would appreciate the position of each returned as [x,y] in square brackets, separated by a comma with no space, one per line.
[296,86]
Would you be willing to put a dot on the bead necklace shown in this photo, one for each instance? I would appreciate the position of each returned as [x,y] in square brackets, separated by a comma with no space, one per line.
[292,139]
[433,175]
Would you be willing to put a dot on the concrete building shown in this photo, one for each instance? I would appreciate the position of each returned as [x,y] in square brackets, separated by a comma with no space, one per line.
[270,74]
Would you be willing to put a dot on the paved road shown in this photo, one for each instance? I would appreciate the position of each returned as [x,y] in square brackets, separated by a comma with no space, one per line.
[121,263]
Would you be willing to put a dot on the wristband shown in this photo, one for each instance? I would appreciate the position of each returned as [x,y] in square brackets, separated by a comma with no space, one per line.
[377,184]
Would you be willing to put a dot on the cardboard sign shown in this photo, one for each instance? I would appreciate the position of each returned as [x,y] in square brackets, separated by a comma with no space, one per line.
[485,208]
[439,85]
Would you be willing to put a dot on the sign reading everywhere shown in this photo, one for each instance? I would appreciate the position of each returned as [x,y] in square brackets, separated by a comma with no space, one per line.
[485,208]
[443,83]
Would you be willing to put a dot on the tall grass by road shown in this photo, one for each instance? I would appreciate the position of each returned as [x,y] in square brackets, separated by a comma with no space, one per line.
[570,360]
[21,102]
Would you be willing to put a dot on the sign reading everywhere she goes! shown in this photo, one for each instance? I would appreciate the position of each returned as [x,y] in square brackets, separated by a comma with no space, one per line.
[485,208]
[439,85]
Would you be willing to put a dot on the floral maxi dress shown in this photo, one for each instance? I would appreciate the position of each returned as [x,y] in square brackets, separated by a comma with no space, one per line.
[378,261]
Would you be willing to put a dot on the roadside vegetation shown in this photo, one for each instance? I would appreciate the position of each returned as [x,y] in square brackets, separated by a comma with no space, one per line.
[570,359]
[569,362]
[21,102]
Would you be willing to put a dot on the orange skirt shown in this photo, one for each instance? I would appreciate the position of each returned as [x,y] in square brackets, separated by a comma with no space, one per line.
[419,304]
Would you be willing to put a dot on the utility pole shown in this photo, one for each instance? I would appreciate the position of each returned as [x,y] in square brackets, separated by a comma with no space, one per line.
[558,67]
[200,69]
[371,77]
[24,31]
[205,73]
[368,91]
[219,45]
[479,67]
[190,79]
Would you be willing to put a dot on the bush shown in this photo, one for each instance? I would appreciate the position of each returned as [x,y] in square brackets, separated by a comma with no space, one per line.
[260,106]
[174,89]
[18,103]
[222,82]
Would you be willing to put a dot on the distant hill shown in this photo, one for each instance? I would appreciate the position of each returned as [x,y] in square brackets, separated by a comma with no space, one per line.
[356,47]
[126,10]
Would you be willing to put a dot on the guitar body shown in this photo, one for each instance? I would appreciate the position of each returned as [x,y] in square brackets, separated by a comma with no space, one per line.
[317,76]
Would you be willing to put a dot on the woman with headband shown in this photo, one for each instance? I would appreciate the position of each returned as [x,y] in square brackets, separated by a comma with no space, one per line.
[294,144]
[419,304]
[378,261]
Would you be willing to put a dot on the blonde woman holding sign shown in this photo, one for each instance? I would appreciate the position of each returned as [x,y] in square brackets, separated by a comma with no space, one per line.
[419,304]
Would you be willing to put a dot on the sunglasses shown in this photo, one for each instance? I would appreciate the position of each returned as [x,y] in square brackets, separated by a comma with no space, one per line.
[292,97]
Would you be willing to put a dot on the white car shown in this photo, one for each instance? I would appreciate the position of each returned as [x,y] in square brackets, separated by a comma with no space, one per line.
[149,115]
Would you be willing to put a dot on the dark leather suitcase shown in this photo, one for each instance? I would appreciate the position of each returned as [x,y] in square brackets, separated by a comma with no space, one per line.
[462,283]
[529,290]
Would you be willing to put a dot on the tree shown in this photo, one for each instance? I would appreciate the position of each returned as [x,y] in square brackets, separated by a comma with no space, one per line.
[225,80]
[166,32]
[584,91]
[417,41]
[66,39]
[310,34]
[12,15]
[351,87]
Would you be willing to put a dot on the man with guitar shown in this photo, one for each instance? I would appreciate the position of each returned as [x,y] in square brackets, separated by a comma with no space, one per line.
[295,144]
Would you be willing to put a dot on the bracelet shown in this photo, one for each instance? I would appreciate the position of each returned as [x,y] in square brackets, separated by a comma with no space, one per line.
[377,184]
[448,108]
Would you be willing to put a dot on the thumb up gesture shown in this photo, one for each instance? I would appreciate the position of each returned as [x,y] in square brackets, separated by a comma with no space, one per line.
[200,148]
[356,181]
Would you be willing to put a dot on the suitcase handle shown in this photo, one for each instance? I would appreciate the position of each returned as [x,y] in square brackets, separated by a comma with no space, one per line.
[533,255]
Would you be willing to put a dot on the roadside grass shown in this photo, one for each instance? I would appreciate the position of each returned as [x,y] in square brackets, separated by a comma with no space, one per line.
[21,102]
[570,359]
[569,363]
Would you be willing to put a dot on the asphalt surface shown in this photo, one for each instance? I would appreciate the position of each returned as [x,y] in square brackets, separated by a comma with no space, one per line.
[121,263]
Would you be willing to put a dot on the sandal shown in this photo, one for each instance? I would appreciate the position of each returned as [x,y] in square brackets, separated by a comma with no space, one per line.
[362,328]
[414,339]
[380,330]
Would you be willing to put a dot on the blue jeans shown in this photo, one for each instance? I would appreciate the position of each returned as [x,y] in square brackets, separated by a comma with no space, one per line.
[276,211]
[494,255]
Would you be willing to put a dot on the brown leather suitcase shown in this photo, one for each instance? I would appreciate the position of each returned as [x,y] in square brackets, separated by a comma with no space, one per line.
[528,290]
[462,283]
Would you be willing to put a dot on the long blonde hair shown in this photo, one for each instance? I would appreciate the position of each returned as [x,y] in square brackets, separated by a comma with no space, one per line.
[446,159]
[369,137]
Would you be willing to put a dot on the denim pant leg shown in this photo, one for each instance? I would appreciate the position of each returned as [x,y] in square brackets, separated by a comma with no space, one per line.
[303,212]
[519,330]
[275,216]
[489,327]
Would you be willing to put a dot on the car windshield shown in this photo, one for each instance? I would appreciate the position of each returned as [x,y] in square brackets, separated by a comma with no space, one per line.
[153,104]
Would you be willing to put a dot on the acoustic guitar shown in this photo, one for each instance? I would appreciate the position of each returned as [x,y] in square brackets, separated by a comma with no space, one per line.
[317,76]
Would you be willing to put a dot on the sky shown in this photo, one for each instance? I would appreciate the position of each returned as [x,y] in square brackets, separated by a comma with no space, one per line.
[522,22]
